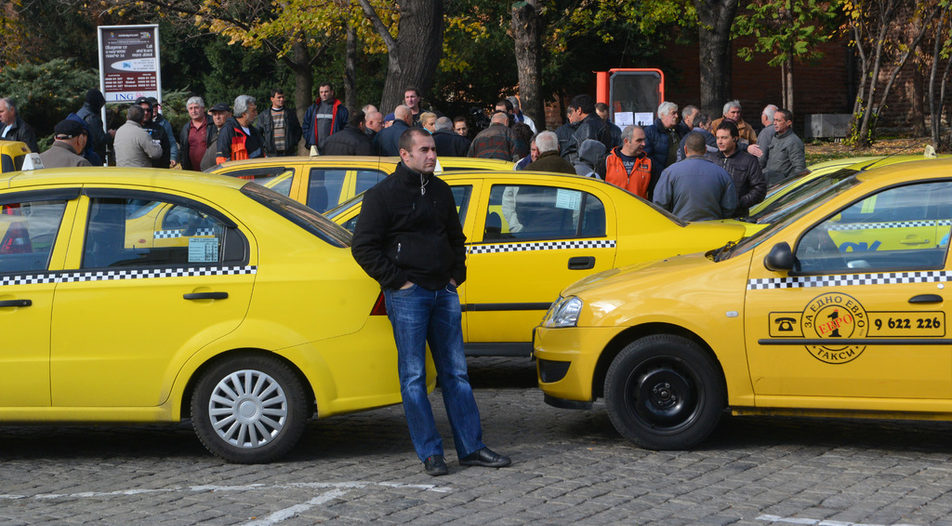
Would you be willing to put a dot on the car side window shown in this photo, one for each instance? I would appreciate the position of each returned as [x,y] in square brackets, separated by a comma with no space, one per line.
[542,212]
[901,228]
[277,178]
[125,232]
[461,195]
[27,233]
[323,192]
[366,179]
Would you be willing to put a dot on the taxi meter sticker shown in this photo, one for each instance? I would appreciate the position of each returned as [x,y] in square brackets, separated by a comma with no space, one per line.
[834,317]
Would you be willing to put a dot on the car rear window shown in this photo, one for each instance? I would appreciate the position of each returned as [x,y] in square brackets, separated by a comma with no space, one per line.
[299,214]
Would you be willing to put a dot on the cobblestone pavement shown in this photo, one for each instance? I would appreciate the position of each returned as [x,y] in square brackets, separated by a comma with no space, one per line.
[569,467]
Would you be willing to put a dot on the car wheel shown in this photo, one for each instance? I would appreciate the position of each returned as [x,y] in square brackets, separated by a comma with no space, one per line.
[249,410]
[664,392]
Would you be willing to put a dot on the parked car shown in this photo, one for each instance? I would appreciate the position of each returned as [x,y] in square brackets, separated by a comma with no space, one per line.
[323,182]
[529,234]
[784,322]
[141,295]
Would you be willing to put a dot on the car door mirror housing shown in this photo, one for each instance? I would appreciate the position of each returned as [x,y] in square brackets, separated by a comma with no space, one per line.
[780,257]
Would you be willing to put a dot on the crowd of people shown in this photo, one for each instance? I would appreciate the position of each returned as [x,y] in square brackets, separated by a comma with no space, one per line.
[695,166]
[408,236]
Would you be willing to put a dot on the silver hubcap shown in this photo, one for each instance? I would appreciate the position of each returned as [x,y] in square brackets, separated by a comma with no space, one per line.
[248,408]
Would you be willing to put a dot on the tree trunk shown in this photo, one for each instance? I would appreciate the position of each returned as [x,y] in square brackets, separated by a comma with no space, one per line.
[714,52]
[526,27]
[303,82]
[413,56]
[350,69]
[788,82]
[935,106]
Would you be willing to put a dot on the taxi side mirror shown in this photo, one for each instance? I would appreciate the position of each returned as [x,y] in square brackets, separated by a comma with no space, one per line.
[780,257]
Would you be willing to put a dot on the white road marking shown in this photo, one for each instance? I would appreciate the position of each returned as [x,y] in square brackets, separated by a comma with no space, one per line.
[818,522]
[213,488]
[287,513]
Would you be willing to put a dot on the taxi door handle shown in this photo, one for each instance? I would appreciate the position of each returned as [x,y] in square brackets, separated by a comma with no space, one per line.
[581,263]
[206,296]
[926,298]
[914,241]
[16,303]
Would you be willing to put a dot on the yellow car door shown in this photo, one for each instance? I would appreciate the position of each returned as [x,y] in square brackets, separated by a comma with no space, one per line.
[531,239]
[32,247]
[124,314]
[855,325]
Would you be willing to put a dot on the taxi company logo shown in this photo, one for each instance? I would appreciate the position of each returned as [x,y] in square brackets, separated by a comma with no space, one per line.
[834,316]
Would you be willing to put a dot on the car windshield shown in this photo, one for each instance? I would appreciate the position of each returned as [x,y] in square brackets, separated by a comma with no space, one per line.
[299,214]
[789,215]
[778,209]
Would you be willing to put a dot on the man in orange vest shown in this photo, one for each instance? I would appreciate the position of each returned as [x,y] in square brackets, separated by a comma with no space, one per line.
[239,139]
[627,166]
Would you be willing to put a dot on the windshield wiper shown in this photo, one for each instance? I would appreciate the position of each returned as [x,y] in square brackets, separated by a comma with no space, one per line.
[717,253]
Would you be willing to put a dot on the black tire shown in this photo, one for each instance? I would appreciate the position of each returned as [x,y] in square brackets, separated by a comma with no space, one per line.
[249,409]
[664,392]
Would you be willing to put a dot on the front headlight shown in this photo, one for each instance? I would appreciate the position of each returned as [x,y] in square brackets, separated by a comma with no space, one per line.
[563,313]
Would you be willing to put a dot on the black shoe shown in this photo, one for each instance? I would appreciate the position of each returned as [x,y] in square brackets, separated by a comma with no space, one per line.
[435,465]
[487,458]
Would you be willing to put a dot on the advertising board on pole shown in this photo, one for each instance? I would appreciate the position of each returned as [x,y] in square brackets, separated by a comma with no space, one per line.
[129,62]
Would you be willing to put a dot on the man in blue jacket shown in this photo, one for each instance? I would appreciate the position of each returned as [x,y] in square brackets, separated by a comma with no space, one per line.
[324,118]
[662,139]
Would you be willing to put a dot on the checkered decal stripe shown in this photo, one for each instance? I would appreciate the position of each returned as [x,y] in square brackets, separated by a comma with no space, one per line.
[890,224]
[166,234]
[541,245]
[889,278]
[106,275]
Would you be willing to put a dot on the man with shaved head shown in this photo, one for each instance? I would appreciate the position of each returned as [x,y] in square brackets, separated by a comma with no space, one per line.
[409,239]
[387,142]
[373,122]
[496,141]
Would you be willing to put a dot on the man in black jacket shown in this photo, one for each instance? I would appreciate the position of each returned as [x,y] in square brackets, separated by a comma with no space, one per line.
[743,168]
[590,126]
[279,127]
[448,142]
[352,140]
[13,128]
[409,239]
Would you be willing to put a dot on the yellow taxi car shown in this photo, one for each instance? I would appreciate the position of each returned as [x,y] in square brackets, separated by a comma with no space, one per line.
[787,197]
[823,171]
[323,182]
[12,155]
[528,234]
[783,322]
[253,321]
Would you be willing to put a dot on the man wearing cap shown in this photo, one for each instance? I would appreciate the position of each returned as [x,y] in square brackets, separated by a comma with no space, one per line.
[69,140]
[220,114]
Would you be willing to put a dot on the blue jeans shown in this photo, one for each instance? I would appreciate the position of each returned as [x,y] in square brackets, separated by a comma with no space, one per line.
[420,316]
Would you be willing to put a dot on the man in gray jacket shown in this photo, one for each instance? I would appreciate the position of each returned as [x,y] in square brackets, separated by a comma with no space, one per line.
[785,155]
[134,146]
[69,140]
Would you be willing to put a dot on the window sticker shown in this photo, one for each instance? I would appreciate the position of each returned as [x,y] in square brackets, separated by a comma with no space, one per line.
[568,199]
[202,250]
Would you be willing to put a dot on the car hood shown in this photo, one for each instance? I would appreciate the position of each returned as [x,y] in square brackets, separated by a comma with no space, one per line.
[624,277]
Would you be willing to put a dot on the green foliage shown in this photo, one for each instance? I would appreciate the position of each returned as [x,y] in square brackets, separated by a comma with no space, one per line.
[46,93]
[787,27]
